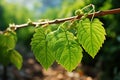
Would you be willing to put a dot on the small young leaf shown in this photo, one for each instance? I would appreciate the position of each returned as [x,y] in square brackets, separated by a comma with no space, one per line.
[68,52]
[8,40]
[41,48]
[91,35]
[16,58]
[79,12]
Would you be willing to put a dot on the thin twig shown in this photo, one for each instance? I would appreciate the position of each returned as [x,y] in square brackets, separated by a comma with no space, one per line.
[57,21]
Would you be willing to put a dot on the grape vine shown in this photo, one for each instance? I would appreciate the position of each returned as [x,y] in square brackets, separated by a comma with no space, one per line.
[63,45]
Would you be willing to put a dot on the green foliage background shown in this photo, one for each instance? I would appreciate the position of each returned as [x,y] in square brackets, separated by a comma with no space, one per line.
[107,60]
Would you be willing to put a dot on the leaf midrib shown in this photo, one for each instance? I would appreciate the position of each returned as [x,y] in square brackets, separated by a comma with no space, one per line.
[68,47]
[91,36]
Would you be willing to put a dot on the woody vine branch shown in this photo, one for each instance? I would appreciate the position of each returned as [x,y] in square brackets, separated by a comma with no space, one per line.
[57,21]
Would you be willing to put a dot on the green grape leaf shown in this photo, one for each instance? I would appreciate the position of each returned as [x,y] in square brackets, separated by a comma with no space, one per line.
[68,52]
[91,35]
[15,58]
[8,40]
[41,47]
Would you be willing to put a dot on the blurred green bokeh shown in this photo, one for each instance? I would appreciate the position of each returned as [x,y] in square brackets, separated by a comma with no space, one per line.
[107,60]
